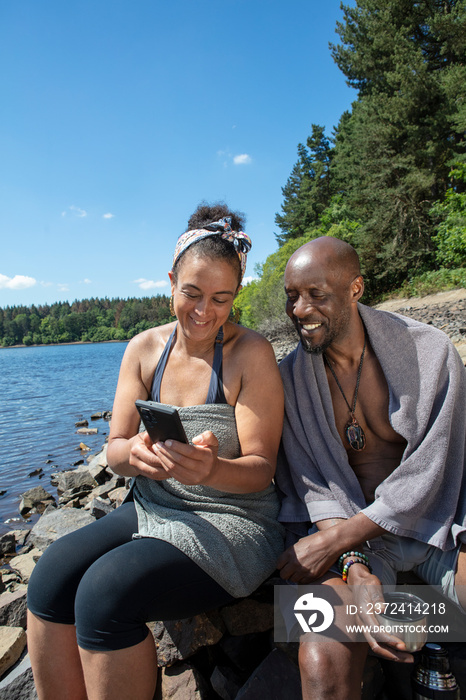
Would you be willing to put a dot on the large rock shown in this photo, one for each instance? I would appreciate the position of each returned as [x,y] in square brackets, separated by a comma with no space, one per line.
[18,684]
[36,499]
[76,480]
[277,678]
[225,682]
[181,682]
[56,523]
[24,564]
[179,639]
[12,644]
[247,617]
[97,466]
[100,459]
[114,483]
[13,608]
[7,544]
[118,495]
[98,508]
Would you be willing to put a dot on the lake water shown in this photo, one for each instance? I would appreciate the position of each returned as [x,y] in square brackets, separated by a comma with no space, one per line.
[43,392]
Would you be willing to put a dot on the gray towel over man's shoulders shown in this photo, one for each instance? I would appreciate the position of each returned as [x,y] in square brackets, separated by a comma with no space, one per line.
[425,496]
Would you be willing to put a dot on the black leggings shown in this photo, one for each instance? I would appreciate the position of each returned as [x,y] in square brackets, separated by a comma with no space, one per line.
[110,585]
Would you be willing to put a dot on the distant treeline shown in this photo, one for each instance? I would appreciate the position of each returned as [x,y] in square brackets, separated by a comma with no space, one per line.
[89,320]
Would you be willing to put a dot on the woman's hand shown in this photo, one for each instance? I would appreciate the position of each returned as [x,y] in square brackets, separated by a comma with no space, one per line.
[189,464]
[143,458]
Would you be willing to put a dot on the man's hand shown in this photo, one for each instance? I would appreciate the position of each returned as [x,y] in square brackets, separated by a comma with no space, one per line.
[308,559]
[368,597]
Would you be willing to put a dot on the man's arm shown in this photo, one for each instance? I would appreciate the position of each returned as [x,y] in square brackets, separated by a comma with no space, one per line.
[312,556]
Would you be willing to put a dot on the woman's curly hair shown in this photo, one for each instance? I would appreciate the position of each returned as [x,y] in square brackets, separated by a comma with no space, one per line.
[208,213]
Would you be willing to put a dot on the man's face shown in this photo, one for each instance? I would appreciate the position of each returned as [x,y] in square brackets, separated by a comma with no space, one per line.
[318,303]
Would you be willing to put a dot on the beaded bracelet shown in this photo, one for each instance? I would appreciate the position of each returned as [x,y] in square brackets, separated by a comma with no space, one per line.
[351,554]
[356,560]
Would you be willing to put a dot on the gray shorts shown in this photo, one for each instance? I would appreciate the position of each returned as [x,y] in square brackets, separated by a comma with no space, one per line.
[431,564]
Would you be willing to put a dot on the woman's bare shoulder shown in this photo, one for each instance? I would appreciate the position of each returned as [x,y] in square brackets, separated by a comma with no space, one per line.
[150,342]
[246,341]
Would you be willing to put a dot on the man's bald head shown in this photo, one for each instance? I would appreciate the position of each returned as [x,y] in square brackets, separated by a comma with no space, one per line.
[323,284]
[332,254]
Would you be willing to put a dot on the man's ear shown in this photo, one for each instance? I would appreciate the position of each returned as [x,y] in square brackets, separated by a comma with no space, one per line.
[357,288]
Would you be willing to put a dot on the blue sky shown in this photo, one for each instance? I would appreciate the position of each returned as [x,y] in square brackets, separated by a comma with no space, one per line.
[118,117]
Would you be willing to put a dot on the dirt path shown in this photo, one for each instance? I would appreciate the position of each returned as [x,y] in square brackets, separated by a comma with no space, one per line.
[434,302]
[429,300]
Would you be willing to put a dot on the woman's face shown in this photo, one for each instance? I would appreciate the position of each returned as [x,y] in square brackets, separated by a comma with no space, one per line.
[203,294]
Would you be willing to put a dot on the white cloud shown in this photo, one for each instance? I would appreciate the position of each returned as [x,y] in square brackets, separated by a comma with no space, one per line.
[77,211]
[63,287]
[242,159]
[149,284]
[46,284]
[247,280]
[108,216]
[16,282]
[85,281]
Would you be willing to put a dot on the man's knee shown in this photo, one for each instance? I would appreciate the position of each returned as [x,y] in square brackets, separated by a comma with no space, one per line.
[317,663]
[331,670]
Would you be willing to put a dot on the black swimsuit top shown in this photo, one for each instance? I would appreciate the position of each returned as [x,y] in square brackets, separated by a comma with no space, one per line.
[215,393]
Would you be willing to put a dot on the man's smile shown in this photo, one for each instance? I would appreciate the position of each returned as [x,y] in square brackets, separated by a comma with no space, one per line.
[310,326]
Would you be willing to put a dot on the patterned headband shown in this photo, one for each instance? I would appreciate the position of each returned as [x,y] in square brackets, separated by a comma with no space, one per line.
[222,228]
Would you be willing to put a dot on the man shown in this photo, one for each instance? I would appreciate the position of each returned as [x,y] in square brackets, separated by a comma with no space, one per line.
[374,444]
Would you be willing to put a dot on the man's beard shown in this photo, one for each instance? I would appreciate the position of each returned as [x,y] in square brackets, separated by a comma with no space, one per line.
[307,345]
[332,332]
[314,349]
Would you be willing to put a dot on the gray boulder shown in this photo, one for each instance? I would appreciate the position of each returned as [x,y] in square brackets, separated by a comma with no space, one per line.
[277,678]
[75,481]
[18,684]
[56,523]
[13,609]
[7,544]
[36,499]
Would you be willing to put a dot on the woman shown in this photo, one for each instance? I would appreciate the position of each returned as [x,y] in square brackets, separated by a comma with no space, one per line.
[201,529]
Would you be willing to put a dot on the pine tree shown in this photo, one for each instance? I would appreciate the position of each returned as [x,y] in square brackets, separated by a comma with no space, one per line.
[393,155]
[308,190]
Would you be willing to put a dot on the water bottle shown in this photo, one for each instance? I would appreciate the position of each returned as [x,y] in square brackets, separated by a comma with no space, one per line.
[432,679]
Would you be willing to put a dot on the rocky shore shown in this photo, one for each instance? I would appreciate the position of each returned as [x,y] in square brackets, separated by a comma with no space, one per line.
[228,653]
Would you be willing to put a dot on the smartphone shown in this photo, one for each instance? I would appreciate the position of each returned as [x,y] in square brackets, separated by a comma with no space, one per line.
[162,422]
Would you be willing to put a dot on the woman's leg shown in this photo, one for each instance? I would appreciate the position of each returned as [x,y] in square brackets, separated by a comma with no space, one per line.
[55,660]
[124,674]
[52,588]
[146,579]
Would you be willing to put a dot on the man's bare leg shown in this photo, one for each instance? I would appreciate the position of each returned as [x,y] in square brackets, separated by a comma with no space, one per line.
[329,668]
[332,670]
[460,577]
